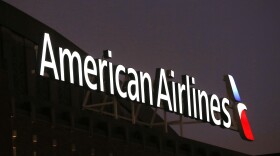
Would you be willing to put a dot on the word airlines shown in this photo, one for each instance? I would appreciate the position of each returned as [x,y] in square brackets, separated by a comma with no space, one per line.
[180,98]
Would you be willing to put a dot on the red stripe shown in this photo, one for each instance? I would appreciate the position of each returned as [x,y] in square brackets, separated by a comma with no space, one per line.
[246,126]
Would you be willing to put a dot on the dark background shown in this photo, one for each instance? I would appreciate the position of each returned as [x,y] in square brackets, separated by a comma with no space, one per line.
[204,39]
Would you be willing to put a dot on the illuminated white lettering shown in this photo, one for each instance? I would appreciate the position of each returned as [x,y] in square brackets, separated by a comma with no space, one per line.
[117,80]
[181,88]
[88,71]
[111,77]
[215,107]
[203,104]
[44,63]
[101,65]
[133,83]
[146,88]
[174,97]
[225,113]
[103,76]
[62,53]
[162,96]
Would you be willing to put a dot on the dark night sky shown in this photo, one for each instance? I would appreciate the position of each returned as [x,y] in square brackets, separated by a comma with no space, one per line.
[204,39]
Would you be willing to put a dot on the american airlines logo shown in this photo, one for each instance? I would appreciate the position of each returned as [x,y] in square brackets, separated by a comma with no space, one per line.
[181,98]
[239,110]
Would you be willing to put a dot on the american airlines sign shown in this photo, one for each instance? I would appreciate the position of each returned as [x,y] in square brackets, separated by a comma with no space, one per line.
[180,98]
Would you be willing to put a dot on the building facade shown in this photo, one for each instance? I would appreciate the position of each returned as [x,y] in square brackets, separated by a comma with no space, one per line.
[42,116]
